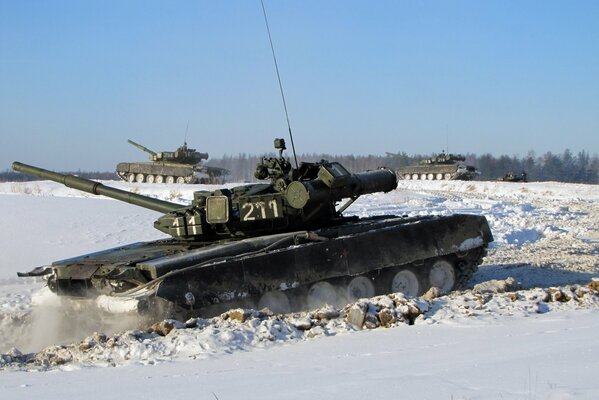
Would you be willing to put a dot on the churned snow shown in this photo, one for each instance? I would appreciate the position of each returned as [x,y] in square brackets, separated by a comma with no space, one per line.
[530,337]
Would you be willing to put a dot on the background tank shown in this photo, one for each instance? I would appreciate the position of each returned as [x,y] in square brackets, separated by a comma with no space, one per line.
[512,177]
[181,166]
[440,167]
[283,244]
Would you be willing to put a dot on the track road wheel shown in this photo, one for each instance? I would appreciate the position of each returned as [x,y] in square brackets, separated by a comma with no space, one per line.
[150,179]
[430,177]
[406,282]
[159,179]
[447,176]
[407,177]
[139,178]
[442,275]
[360,287]
[131,177]
[439,177]
[321,293]
[277,302]
[180,180]
[170,179]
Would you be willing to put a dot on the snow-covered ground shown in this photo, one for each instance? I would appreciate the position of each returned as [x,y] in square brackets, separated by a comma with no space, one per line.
[535,338]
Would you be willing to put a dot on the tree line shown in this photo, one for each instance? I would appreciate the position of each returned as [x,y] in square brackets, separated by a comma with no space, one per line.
[564,167]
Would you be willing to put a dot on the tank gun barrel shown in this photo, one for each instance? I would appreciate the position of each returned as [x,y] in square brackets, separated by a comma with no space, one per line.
[381,180]
[142,148]
[202,156]
[335,183]
[97,188]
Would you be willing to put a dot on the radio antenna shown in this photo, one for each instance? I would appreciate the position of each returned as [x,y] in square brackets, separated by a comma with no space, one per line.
[446,138]
[186,129]
[274,57]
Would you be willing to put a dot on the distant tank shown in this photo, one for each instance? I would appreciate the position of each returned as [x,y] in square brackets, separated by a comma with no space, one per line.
[283,245]
[441,167]
[180,166]
[512,177]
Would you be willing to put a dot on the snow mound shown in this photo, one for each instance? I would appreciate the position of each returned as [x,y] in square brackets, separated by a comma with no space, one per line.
[523,236]
[243,330]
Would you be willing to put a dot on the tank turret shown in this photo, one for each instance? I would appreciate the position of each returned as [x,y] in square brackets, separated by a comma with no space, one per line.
[183,154]
[294,199]
[444,158]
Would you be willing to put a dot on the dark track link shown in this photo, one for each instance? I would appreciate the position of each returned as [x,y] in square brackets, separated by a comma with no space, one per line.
[467,267]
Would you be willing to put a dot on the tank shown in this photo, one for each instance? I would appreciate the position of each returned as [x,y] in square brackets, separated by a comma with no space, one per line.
[183,165]
[512,177]
[283,244]
[440,167]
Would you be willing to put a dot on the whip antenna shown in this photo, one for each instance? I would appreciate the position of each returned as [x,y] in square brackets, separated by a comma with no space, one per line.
[280,84]
[186,129]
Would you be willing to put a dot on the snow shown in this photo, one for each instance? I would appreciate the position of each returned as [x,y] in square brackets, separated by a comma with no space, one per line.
[535,338]
[550,357]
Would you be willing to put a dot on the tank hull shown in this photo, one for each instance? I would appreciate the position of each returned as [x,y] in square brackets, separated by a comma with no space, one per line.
[207,278]
[163,172]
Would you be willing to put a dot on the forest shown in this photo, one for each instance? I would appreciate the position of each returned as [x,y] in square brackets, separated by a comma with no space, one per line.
[564,167]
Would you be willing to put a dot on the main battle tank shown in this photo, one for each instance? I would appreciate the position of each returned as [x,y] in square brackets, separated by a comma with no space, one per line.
[283,244]
[441,167]
[512,177]
[183,165]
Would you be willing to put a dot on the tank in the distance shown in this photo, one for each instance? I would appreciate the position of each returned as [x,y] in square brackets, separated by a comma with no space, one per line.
[513,177]
[284,244]
[183,165]
[440,167]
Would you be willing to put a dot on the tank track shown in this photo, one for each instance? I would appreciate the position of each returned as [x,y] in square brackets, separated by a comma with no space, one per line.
[300,298]
[465,265]
[158,179]
[428,176]
[152,178]
[469,267]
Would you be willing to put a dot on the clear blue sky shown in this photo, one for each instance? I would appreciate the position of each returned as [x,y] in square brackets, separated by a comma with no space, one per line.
[78,78]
